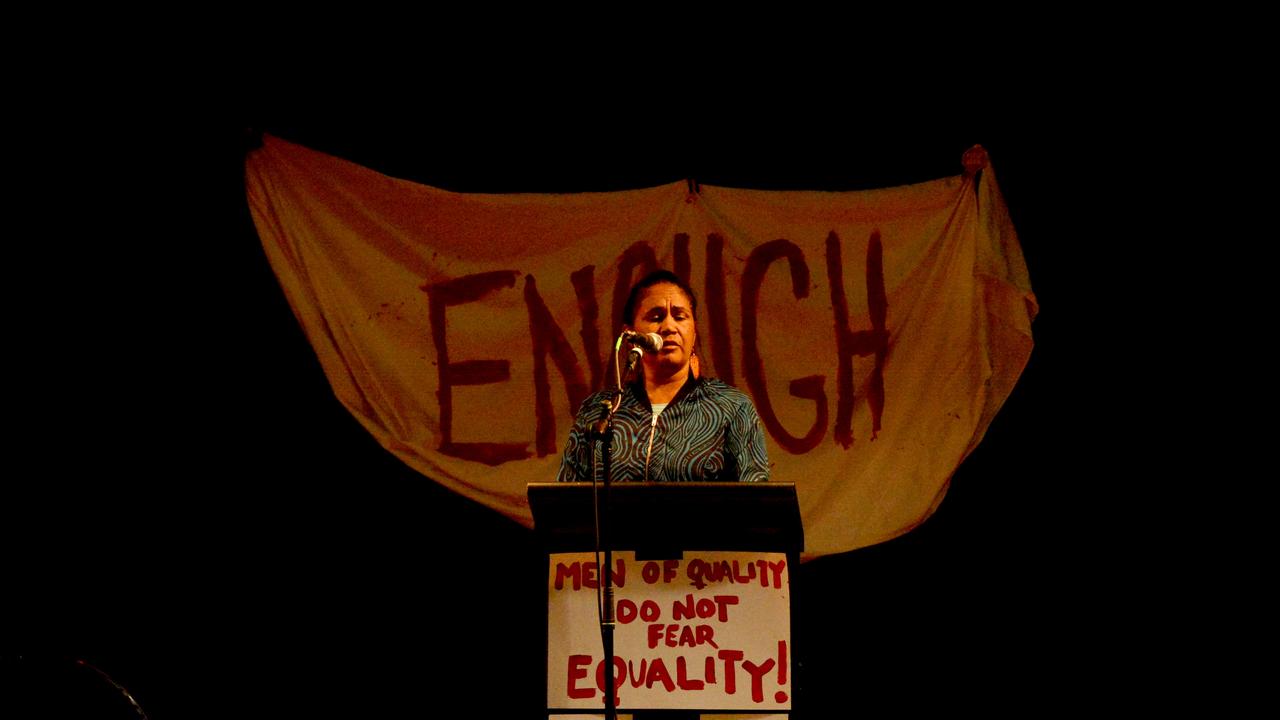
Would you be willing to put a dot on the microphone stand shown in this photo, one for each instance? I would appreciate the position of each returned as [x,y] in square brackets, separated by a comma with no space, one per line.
[603,431]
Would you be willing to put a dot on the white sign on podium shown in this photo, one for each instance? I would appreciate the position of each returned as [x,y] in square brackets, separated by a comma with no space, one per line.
[709,631]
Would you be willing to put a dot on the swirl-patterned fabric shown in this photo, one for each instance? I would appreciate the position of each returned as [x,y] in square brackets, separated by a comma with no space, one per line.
[709,433]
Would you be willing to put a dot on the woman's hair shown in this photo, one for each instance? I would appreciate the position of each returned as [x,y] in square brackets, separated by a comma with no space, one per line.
[657,277]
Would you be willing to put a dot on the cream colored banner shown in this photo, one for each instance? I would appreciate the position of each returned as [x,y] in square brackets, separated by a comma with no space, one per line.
[877,332]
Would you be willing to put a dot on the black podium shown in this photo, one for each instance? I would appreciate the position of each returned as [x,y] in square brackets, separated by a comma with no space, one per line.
[703,575]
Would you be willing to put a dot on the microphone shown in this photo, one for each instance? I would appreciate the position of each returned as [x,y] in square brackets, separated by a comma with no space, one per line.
[651,342]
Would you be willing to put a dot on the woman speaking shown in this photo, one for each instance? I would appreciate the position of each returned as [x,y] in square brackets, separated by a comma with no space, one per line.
[671,425]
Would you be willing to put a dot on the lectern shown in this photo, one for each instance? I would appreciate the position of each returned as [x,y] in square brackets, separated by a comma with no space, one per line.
[703,591]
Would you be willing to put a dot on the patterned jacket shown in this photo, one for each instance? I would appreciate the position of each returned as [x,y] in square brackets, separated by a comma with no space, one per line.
[709,432]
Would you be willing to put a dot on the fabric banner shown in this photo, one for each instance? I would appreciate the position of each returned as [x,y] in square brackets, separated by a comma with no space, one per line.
[877,332]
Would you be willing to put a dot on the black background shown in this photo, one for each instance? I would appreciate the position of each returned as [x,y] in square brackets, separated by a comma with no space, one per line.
[206,524]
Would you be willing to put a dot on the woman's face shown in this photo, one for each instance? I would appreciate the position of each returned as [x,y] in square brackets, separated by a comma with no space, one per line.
[666,310]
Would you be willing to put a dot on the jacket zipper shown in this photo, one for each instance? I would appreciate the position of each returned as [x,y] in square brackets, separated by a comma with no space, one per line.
[653,429]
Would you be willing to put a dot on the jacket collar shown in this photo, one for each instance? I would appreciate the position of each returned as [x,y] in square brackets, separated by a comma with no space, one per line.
[691,384]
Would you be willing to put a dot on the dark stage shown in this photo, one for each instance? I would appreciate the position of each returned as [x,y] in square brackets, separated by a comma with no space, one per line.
[209,527]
